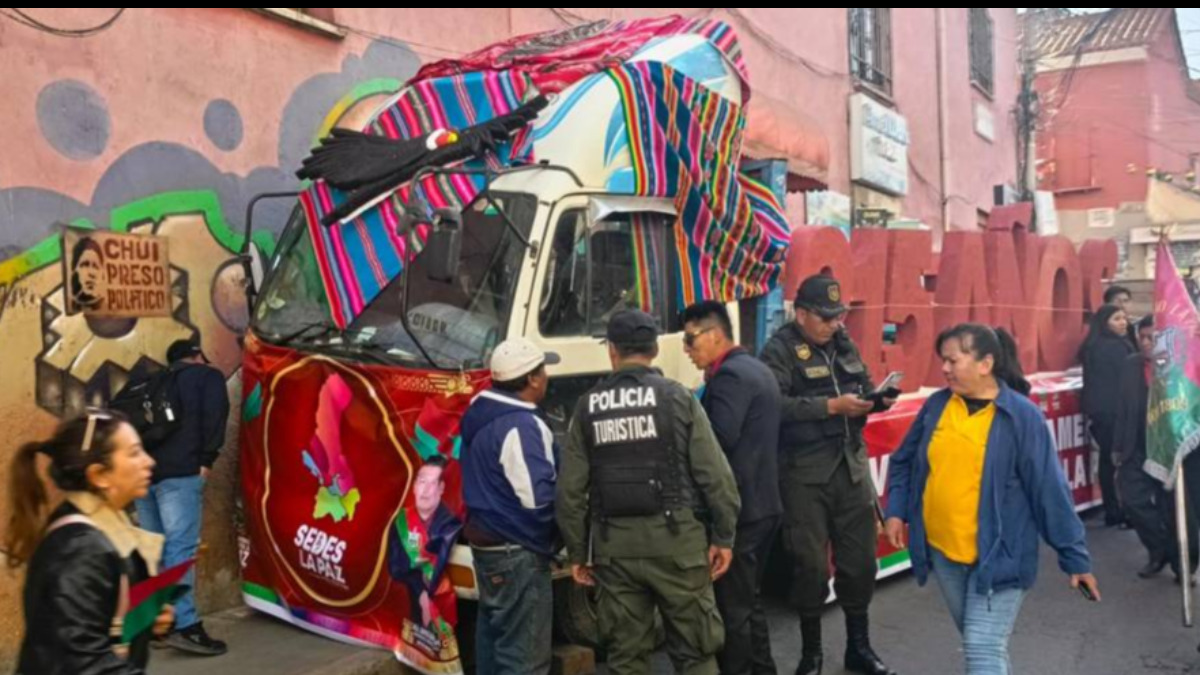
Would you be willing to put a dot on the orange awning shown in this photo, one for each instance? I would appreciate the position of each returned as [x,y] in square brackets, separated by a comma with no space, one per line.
[775,130]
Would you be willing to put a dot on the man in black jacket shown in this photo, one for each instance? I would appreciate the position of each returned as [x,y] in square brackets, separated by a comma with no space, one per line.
[183,462]
[1148,505]
[741,398]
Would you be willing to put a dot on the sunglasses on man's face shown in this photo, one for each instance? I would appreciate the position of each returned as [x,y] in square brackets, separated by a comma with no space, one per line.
[689,338]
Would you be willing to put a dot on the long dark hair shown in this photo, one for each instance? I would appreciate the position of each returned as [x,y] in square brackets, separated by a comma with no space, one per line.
[1097,329]
[76,445]
[983,341]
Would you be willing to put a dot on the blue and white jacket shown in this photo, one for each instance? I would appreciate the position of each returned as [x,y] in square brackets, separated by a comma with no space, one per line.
[509,464]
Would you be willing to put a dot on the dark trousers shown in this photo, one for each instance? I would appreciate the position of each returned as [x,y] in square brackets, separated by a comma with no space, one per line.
[747,648]
[1102,432]
[839,514]
[1150,508]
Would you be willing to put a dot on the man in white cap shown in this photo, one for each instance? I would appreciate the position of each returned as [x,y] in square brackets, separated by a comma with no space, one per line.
[509,466]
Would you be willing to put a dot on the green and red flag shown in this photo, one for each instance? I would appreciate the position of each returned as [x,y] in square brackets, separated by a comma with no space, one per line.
[1173,417]
[147,599]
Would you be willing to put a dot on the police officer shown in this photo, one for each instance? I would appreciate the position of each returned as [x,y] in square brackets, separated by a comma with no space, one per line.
[828,494]
[639,462]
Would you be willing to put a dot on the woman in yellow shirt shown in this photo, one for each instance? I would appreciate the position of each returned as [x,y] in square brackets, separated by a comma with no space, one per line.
[977,480]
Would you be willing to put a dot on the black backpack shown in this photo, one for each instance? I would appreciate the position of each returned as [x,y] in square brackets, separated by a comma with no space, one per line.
[153,405]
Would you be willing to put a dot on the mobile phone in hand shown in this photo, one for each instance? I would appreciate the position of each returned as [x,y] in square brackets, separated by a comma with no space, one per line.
[889,388]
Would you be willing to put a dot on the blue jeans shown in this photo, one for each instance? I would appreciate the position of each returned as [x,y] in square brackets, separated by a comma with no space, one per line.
[516,610]
[173,509]
[985,622]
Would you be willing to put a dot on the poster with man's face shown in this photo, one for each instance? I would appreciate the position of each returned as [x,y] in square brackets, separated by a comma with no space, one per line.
[429,490]
[425,533]
[115,275]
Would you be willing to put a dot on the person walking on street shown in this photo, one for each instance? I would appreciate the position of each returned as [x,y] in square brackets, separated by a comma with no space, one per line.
[1148,505]
[977,481]
[86,554]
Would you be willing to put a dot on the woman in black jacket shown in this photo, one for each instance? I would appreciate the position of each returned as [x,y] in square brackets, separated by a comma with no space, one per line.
[1105,349]
[84,557]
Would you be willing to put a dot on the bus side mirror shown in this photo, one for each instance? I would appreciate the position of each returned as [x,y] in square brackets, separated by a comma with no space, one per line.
[443,250]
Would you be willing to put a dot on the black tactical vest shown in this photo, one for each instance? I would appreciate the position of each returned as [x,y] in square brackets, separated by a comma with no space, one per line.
[631,441]
[819,373]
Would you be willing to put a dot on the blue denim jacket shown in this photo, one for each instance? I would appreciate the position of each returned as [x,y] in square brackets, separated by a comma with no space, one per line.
[1024,495]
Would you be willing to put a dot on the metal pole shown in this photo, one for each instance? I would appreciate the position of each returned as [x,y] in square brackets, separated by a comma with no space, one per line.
[1185,563]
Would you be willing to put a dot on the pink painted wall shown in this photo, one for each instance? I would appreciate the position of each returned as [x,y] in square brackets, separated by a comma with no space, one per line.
[116,123]
[157,69]
[976,164]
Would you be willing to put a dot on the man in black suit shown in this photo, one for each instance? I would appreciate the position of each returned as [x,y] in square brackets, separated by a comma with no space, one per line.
[741,398]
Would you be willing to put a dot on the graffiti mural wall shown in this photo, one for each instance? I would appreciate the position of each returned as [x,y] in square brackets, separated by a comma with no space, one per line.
[81,151]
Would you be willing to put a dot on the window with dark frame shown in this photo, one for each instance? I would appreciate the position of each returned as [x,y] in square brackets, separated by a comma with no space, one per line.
[595,271]
[983,50]
[871,47]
